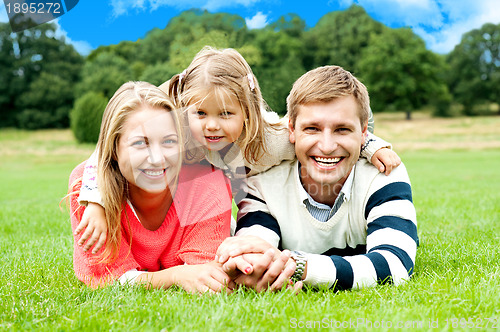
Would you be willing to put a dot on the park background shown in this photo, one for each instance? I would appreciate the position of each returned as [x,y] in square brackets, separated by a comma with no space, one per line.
[440,111]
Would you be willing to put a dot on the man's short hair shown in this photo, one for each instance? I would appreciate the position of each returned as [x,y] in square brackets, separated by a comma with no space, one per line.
[324,84]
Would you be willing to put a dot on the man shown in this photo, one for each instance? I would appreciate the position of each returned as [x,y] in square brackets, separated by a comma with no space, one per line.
[347,225]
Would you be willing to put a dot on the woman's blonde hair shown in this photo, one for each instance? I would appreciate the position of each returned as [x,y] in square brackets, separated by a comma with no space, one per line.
[325,84]
[129,98]
[224,72]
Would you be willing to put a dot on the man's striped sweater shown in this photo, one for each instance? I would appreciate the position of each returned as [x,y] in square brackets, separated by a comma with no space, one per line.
[371,239]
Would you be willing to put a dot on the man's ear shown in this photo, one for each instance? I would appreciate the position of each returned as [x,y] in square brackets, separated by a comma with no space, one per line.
[365,131]
[291,131]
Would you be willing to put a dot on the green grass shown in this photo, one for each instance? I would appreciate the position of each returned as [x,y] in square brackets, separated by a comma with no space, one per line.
[456,193]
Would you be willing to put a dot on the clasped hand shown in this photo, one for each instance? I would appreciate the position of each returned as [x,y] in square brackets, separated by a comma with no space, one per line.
[254,263]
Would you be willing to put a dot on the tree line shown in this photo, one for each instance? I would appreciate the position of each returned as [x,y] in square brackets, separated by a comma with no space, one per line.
[44,82]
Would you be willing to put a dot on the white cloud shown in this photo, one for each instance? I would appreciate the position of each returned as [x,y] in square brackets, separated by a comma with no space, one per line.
[441,23]
[120,7]
[462,16]
[3,14]
[258,21]
[218,4]
[82,47]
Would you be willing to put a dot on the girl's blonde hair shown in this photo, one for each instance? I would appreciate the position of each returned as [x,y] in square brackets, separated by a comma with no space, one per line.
[224,71]
[129,98]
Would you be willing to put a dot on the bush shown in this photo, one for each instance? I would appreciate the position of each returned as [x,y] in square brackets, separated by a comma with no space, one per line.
[32,119]
[86,117]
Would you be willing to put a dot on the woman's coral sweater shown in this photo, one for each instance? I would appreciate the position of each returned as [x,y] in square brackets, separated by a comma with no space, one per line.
[195,225]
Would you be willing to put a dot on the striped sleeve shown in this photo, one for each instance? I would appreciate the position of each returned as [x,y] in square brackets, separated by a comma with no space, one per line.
[373,144]
[254,217]
[391,245]
[90,192]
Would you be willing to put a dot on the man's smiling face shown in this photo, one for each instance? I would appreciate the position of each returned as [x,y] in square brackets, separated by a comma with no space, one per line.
[328,139]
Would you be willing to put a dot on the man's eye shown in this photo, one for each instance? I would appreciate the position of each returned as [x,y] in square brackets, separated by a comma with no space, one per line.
[310,129]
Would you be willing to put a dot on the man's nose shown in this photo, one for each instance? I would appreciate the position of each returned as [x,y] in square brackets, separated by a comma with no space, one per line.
[327,143]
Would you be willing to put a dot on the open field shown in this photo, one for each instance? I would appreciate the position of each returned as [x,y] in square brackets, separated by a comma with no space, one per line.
[454,165]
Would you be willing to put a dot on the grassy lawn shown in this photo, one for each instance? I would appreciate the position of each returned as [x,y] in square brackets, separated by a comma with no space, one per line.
[456,187]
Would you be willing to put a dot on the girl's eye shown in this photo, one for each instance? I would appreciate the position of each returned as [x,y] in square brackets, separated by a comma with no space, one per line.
[200,113]
[226,114]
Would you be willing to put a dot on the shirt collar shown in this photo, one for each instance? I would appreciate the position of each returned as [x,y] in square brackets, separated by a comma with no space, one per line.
[303,194]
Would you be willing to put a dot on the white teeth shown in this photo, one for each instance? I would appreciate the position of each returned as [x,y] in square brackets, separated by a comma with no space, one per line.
[153,173]
[327,160]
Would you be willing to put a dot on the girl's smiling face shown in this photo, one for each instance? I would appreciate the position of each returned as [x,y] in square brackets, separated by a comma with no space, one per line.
[217,119]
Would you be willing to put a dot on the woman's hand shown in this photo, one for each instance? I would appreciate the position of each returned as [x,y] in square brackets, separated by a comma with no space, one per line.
[238,245]
[96,230]
[196,279]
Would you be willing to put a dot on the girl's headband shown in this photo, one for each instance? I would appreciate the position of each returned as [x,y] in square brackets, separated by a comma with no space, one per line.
[251,82]
[182,75]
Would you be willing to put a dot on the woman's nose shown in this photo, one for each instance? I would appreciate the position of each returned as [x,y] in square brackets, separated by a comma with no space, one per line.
[155,155]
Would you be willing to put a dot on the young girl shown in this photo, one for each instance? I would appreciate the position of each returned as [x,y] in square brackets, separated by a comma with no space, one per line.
[229,126]
[164,221]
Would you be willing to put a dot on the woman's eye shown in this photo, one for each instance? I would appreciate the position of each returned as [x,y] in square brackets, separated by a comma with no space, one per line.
[170,141]
[139,143]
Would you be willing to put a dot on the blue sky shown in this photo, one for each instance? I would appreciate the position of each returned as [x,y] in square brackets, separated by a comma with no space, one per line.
[440,23]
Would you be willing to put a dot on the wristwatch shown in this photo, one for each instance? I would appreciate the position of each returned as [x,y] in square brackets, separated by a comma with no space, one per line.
[300,259]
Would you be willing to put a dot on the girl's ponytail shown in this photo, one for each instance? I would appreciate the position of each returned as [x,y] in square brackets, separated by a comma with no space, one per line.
[171,88]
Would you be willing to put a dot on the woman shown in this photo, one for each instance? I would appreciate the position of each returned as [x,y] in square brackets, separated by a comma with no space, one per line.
[164,221]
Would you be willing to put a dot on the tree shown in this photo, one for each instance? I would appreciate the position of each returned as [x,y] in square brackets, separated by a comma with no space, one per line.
[28,58]
[105,74]
[400,73]
[159,44]
[158,74]
[279,66]
[474,76]
[184,47]
[46,103]
[340,37]
[7,74]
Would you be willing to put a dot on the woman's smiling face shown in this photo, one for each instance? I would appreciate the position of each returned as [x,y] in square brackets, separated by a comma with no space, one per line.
[148,150]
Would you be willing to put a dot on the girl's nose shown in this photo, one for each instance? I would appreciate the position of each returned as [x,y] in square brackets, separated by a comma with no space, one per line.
[212,124]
